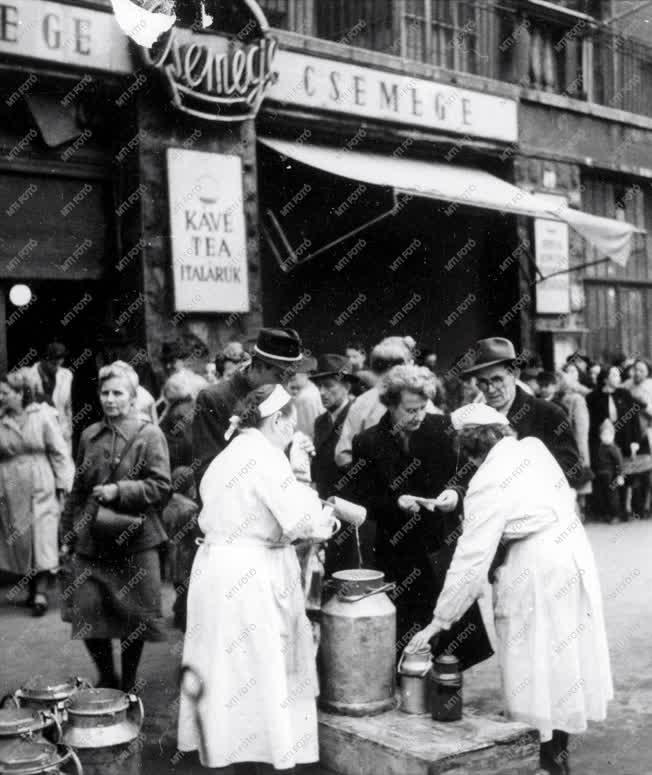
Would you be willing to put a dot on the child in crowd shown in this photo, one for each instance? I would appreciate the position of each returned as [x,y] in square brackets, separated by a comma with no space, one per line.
[609,477]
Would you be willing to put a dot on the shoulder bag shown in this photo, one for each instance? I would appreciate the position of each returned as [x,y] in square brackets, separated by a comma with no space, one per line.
[114,526]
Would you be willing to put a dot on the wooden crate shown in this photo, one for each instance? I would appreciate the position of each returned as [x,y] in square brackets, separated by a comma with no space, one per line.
[396,743]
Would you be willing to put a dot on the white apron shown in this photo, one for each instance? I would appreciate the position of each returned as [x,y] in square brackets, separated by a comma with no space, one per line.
[250,641]
[552,647]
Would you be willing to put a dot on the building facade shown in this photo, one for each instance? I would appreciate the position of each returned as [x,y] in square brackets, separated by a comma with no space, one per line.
[139,196]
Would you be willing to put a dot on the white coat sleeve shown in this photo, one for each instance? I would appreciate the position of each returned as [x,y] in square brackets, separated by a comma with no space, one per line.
[56,450]
[295,506]
[483,526]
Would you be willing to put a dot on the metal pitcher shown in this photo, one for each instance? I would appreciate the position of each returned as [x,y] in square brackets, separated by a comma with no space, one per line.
[413,669]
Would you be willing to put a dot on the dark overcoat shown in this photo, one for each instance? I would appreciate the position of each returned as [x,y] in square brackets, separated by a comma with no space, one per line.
[548,422]
[415,551]
[325,473]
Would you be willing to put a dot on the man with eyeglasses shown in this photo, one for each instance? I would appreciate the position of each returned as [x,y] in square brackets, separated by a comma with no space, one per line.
[496,372]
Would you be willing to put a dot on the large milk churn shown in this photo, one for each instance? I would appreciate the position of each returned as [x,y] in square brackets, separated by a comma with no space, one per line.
[21,723]
[104,729]
[42,693]
[357,657]
[37,757]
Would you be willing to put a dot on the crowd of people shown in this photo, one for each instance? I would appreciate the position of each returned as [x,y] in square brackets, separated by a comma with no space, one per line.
[220,481]
[609,411]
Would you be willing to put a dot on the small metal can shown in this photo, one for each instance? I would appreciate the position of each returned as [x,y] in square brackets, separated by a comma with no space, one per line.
[413,669]
[445,684]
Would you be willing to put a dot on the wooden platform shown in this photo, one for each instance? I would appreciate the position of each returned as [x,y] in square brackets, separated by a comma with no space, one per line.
[396,743]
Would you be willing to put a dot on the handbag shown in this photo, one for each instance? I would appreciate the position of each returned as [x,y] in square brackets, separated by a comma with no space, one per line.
[110,525]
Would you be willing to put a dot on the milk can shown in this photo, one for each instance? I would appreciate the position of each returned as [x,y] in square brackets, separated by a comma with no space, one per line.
[37,757]
[445,689]
[358,642]
[413,670]
[42,693]
[19,723]
[103,726]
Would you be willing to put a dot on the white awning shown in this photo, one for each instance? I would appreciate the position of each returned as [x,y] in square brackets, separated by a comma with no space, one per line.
[462,185]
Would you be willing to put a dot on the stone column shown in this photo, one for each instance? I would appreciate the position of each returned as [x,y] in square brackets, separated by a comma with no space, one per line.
[162,126]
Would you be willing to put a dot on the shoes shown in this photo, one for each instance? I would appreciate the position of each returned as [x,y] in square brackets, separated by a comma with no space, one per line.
[40,605]
[614,521]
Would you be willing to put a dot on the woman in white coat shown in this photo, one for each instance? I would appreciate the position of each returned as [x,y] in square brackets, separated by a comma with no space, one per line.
[248,638]
[552,645]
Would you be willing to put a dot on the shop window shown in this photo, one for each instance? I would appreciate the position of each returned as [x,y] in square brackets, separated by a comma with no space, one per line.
[361,23]
[277,13]
[625,202]
[443,32]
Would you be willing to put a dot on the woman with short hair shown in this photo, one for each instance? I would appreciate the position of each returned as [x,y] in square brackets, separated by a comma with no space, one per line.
[122,464]
[409,454]
[248,637]
[552,646]
[36,470]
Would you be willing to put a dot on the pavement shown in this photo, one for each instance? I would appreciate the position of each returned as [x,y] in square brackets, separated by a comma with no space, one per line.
[622,745]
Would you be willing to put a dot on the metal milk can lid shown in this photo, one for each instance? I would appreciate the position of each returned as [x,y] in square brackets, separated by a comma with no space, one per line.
[357,581]
[98,702]
[41,688]
[17,755]
[18,721]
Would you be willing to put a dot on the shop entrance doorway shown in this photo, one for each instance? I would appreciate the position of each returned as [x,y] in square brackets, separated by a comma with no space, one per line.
[35,313]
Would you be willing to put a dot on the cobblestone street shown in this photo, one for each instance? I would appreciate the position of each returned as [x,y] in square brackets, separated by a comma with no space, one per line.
[620,746]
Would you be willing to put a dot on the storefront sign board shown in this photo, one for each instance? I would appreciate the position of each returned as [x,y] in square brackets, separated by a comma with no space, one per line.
[65,34]
[314,82]
[551,252]
[207,227]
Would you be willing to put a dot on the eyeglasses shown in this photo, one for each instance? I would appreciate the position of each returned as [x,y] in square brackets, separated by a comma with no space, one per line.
[496,382]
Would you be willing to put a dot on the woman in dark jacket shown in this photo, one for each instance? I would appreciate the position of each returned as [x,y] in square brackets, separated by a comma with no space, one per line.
[609,401]
[410,453]
[122,463]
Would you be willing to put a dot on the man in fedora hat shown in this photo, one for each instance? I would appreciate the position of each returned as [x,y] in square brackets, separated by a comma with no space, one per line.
[335,380]
[275,356]
[496,369]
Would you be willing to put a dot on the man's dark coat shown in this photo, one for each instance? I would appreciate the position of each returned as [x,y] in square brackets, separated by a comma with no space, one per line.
[546,421]
[325,474]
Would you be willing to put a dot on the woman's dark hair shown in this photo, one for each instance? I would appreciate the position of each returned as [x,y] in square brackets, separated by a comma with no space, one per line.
[604,373]
[478,440]
[247,409]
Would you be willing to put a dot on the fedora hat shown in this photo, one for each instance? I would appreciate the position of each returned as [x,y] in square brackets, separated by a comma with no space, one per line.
[490,352]
[278,346]
[333,365]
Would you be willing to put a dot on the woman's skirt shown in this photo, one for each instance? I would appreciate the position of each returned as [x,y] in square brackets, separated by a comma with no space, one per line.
[116,598]
[552,644]
[249,640]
